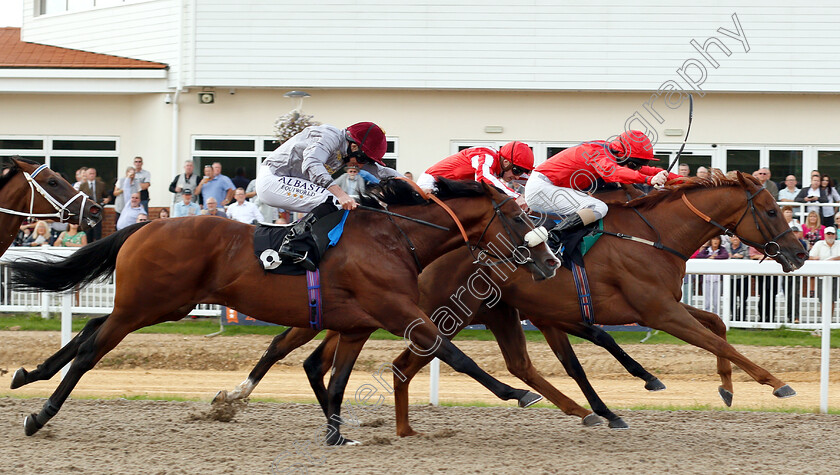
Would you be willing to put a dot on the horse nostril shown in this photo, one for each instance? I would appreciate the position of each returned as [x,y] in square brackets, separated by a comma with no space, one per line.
[94,210]
[553,263]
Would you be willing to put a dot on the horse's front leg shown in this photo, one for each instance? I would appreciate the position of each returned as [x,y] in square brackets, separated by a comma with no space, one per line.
[672,317]
[724,366]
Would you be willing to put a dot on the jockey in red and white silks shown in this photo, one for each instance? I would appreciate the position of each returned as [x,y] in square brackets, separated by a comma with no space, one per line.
[563,184]
[297,176]
[483,164]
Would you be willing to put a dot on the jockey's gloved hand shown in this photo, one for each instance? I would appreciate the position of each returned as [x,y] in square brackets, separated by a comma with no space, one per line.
[659,179]
[521,202]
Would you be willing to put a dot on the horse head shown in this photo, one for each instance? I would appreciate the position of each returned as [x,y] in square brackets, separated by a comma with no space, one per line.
[31,189]
[502,229]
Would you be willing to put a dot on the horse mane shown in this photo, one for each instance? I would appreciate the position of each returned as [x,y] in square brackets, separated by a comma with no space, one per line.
[400,192]
[10,169]
[673,191]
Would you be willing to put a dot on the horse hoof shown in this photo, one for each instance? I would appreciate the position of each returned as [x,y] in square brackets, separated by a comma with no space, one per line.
[529,399]
[350,442]
[654,385]
[592,420]
[784,392]
[30,425]
[725,395]
[220,397]
[19,378]
[618,423]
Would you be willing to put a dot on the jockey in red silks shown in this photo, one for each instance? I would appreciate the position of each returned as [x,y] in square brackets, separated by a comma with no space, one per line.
[563,184]
[484,164]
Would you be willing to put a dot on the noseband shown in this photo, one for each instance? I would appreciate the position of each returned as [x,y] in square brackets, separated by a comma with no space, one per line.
[62,213]
[770,248]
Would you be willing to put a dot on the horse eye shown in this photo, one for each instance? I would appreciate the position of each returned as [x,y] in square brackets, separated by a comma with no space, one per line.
[771,212]
[52,182]
[519,219]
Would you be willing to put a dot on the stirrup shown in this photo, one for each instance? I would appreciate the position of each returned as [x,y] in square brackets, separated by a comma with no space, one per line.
[302,261]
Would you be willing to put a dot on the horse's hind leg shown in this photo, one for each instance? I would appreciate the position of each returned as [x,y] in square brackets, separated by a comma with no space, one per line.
[724,366]
[348,349]
[54,363]
[559,343]
[603,339]
[103,340]
[280,346]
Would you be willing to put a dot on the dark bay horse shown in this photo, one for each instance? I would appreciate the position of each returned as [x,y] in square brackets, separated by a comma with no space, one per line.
[625,289]
[29,189]
[369,281]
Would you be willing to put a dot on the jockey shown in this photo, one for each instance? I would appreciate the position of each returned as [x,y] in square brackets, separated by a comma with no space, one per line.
[563,184]
[297,176]
[484,164]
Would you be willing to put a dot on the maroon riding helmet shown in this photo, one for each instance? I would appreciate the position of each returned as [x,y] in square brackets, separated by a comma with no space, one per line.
[370,138]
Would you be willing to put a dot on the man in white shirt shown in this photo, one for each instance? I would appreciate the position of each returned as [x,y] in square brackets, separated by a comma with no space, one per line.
[243,211]
[789,192]
[827,249]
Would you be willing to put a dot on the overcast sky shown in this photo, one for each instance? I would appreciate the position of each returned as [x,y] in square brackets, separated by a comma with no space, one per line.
[10,12]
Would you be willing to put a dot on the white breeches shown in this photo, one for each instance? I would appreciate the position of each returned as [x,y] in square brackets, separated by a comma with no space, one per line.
[544,197]
[290,193]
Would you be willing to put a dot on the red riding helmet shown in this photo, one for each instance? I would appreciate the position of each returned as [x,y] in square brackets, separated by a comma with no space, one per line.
[519,154]
[370,138]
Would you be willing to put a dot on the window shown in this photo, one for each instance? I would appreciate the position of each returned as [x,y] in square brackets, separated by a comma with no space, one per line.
[745,161]
[828,163]
[65,155]
[784,163]
[46,7]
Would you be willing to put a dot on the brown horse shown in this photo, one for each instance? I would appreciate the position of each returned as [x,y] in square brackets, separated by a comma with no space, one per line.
[620,293]
[161,278]
[31,190]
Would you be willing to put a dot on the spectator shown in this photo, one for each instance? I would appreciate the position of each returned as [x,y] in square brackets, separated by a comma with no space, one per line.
[703,172]
[122,186]
[738,283]
[25,232]
[186,207]
[270,214]
[94,187]
[812,229]
[767,287]
[80,176]
[239,179]
[142,218]
[409,175]
[787,212]
[812,194]
[763,175]
[163,213]
[212,209]
[826,249]
[40,235]
[351,183]
[789,192]
[827,214]
[72,237]
[215,185]
[837,220]
[816,173]
[684,170]
[711,283]
[791,282]
[130,212]
[144,178]
[797,233]
[243,211]
[188,179]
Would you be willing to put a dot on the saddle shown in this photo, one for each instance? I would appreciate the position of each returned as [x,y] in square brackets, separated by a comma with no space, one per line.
[313,242]
[572,246]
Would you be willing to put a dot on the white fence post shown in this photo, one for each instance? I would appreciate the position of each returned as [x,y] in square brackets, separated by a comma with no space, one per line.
[827,303]
[434,382]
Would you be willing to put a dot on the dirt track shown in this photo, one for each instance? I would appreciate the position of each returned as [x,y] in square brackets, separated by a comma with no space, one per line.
[178,437]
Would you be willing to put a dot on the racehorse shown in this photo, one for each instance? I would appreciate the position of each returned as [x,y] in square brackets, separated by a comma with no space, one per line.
[29,189]
[620,292]
[369,281]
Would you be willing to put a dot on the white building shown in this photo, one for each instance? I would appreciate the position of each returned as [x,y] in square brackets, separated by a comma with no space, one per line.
[436,75]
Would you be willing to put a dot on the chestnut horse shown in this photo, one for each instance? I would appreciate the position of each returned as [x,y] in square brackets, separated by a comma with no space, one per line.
[32,190]
[621,293]
[369,281]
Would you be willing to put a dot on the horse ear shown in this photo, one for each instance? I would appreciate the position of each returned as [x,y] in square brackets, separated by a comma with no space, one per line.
[741,178]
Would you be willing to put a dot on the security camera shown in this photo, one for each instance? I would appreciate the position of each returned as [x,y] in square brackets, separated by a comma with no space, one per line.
[206,97]
[167,99]
[232,92]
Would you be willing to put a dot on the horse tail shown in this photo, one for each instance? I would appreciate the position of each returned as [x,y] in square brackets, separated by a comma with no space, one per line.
[90,263]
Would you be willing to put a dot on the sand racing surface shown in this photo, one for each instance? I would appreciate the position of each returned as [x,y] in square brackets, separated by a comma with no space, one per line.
[127,436]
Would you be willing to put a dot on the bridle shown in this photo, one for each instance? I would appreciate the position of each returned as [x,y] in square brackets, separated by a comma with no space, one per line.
[62,213]
[770,248]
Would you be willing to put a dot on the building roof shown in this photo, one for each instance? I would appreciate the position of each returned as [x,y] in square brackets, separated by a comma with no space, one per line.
[15,53]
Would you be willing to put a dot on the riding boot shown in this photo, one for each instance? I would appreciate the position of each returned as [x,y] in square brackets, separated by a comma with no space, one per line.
[300,230]
[582,218]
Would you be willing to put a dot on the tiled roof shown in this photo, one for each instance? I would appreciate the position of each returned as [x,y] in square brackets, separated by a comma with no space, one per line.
[15,53]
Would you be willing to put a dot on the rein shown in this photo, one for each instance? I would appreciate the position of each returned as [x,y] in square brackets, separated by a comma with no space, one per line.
[62,213]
